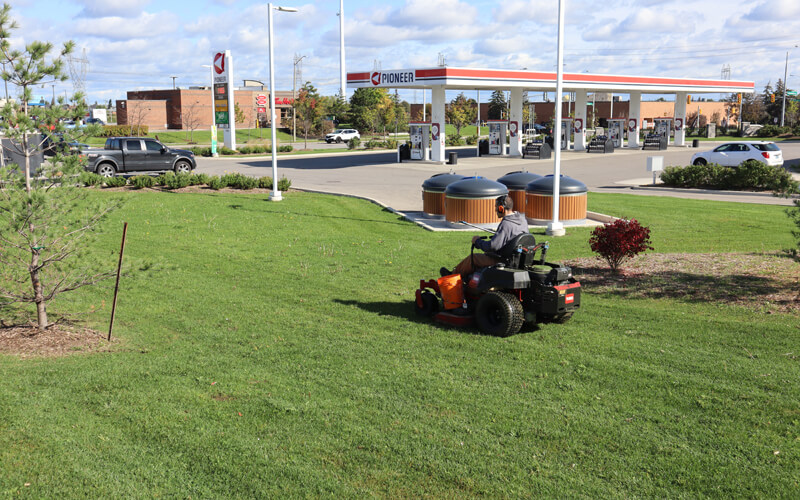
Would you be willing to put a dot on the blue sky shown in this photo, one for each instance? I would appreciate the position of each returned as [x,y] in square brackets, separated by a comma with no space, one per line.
[141,44]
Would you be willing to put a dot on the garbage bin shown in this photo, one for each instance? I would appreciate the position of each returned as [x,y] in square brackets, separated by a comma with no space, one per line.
[452,158]
[695,143]
[405,152]
[473,200]
[539,199]
[483,147]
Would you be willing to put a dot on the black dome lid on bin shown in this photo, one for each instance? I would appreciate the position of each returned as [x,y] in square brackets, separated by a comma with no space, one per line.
[476,187]
[518,180]
[567,185]
[439,182]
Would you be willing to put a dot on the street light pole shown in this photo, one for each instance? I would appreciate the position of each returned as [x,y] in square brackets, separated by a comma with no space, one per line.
[785,71]
[276,194]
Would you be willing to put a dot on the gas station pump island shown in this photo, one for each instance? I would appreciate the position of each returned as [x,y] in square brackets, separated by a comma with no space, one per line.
[430,136]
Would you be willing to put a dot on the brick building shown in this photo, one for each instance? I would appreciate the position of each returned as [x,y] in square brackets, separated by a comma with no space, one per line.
[184,109]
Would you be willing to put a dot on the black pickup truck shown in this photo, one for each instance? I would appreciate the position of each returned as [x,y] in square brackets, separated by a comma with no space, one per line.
[138,154]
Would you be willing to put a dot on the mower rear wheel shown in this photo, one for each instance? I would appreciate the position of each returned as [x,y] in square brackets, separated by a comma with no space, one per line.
[430,305]
[499,313]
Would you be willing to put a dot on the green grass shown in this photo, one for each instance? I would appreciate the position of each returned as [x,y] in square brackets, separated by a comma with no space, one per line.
[270,349]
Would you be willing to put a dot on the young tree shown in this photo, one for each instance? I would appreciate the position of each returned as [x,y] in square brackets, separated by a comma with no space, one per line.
[190,119]
[497,105]
[461,112]
[238,113]
[44,218]
[309,109]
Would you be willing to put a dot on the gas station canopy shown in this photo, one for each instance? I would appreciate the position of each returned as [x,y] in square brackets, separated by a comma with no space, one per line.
[441,79]
[494,79]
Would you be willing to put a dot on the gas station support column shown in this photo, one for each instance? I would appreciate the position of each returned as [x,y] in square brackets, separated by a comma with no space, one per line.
[635,119]
[437,118]
[680,119]
[515,120]
[580,114]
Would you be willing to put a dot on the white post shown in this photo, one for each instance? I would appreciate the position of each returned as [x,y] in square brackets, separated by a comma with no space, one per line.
[634,119]
[556,228]
[680,119]
[437,118]
[580,120]
[343,89]
[230,135]
[276,194]
[478,142]
[515,146]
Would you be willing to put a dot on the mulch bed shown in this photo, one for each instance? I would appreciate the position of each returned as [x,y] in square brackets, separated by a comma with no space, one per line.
[26,341]
[765,282]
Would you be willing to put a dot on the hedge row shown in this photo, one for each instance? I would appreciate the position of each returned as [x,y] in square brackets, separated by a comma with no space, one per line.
[123,131]
[245,150]
[171,180]
[750,175]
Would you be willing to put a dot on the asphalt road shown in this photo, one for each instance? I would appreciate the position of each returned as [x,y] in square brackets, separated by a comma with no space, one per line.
[378,176]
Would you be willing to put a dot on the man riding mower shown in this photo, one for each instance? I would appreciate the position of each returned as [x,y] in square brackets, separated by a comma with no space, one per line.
[503,288]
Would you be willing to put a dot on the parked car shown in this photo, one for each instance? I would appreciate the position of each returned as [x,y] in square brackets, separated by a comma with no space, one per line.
[342,135]
[138,154]
[50,147]
[733,154]
[90,121]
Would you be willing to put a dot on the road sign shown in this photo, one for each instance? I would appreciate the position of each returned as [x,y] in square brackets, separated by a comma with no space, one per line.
[791,92]
[221,117]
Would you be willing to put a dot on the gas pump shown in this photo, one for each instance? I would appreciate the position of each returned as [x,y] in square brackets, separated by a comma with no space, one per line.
[663,127]
[419,136]
[616,128]
[497,136]
[566,133]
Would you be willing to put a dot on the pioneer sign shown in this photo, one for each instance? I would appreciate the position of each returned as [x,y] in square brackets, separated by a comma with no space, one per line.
[380,78]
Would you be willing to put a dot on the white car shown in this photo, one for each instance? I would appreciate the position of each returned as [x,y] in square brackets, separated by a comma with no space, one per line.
[733,154]
[342,135]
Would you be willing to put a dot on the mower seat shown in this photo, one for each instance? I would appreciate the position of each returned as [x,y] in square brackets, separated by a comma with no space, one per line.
[519,252]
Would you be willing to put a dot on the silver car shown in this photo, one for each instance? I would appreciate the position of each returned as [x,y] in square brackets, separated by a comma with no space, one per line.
[733,154]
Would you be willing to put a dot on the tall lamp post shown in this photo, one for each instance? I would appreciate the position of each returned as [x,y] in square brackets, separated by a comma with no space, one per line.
[785,70]
[276,194]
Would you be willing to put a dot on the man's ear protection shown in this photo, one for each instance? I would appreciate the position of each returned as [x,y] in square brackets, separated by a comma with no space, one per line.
[501,209]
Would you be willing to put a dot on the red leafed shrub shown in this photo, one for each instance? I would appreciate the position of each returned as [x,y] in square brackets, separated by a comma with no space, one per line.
[620,240]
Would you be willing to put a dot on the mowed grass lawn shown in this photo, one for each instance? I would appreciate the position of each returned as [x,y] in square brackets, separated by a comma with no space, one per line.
[270,349]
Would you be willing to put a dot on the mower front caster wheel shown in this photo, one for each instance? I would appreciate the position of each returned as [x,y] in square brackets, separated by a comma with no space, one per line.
[499,313]
[429,306]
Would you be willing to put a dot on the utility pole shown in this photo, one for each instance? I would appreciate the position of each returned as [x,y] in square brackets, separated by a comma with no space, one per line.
[297,60]
[173,81]
[785,71]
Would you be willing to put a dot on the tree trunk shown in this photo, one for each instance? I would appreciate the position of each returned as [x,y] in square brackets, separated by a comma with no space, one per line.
[41,305]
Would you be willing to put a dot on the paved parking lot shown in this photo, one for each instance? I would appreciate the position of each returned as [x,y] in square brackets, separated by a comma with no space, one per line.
[377,175]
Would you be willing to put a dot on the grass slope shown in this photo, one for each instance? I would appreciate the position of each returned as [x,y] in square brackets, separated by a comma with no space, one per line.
[270,349]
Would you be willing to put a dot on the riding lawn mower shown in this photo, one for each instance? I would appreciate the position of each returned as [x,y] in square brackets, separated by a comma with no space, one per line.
[518,289]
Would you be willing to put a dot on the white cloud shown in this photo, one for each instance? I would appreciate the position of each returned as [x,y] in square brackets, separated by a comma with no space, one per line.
[106,8]
[120,28]
[520,11]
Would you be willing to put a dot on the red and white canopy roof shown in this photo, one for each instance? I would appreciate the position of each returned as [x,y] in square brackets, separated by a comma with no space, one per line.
[493,79]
